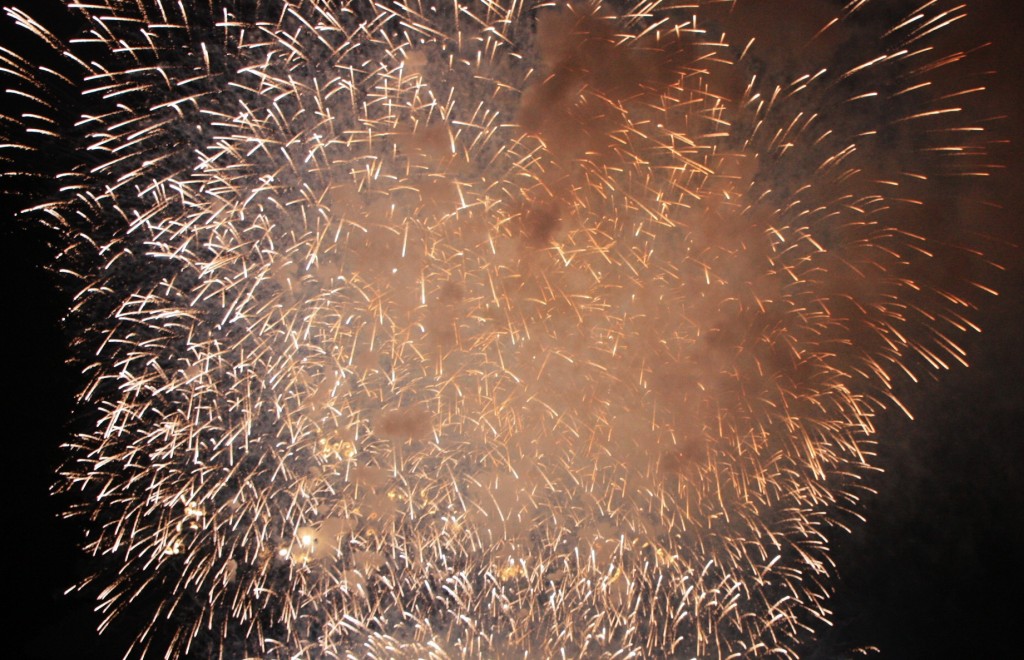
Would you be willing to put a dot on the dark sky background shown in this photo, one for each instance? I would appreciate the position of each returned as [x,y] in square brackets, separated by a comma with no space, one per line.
[936,571]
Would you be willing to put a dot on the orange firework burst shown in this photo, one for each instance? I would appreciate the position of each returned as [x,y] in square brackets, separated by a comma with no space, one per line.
[492,327]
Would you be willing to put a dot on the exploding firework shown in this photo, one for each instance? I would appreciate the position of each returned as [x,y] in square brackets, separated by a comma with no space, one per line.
[494,327]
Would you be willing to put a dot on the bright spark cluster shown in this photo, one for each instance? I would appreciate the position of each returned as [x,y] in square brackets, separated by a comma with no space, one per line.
[483,328]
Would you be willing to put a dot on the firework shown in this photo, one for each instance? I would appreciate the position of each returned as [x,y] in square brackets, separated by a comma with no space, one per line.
[484,328]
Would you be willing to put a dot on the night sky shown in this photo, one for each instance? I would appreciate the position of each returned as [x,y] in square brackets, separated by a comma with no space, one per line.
[936,571]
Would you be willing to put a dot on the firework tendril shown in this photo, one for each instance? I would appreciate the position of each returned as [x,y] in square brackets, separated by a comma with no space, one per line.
[487,327]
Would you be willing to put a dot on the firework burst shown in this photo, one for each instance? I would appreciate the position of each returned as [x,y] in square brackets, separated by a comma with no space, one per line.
[494,327]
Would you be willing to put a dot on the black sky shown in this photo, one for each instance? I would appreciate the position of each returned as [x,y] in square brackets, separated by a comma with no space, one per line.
[936,571]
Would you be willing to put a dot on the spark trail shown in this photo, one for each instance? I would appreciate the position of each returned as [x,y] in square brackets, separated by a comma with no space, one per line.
[477,328]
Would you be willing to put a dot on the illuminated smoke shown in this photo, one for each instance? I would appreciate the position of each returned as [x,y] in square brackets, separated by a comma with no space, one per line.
[487,327]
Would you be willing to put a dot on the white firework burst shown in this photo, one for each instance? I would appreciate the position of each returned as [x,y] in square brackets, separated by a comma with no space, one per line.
[495,327]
